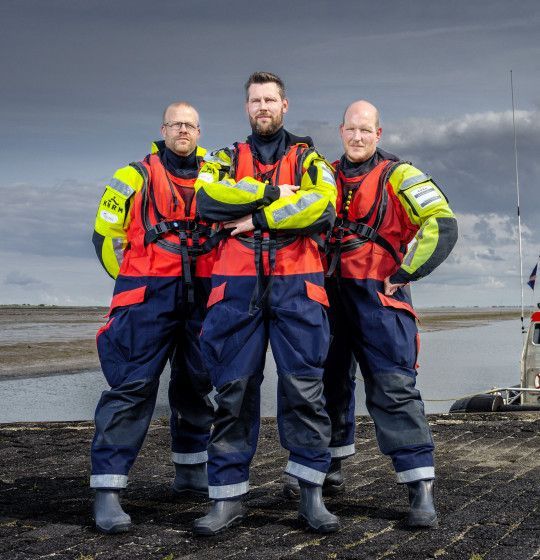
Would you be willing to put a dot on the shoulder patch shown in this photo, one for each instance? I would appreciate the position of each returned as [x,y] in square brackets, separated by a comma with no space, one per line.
[425,195]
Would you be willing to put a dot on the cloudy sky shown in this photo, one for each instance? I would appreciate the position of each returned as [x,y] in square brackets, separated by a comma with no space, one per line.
[84,84]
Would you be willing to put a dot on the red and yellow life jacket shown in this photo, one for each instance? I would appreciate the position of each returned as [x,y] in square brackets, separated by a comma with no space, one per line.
[163,239]
[295,254]
[372,229]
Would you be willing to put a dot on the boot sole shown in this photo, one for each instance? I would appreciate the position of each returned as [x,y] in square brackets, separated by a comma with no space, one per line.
[322,529]
[423,522]
[207,532]
[115,529]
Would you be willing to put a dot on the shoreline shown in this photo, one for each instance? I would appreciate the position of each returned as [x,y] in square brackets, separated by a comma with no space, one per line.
[39,357]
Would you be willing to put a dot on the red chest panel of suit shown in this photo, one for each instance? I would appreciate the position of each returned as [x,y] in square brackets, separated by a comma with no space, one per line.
[302,256]
[370,199]
[160,201]
[283,172]
[164,192]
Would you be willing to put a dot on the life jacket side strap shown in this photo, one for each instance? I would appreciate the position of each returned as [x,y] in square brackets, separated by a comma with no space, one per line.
[363,230]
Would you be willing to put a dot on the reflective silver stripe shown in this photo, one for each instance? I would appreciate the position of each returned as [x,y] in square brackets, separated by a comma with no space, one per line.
[190,458]
[228,491]
[123,188]
[422,178]
[206,177]
[430,200]
[407,261]
[421,473]
[291,209]
[327,176]
[245,186]
[305,473]
[118,247]
[108,481]
[343,451]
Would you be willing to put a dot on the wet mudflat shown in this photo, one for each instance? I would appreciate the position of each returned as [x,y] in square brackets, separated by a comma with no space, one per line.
[488,498]
[38,341]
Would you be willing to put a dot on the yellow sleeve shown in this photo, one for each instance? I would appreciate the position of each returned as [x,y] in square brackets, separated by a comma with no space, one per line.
[221,198]
[112,218]
[427,207]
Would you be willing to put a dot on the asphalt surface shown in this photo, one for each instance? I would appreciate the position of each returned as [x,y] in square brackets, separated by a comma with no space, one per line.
[488,499]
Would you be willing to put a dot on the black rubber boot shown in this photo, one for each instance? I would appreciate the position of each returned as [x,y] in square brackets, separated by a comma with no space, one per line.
[313,511]
[334,483]
[222,515]
[192,479]
[422,508]
[291,488]
[108,513]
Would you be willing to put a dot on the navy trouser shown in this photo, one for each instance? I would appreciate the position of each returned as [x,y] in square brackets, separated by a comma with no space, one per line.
[379,333]
[149,324]
[234,344]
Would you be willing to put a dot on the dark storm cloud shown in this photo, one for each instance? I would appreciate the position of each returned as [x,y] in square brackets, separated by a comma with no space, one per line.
[87,81]
[16,278]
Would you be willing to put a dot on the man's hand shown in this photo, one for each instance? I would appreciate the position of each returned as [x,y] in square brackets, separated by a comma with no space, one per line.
[389,288]
[287,190]
[241,225]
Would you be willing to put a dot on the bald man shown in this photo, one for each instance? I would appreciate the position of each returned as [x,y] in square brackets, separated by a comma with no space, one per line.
[148,237]
[394,227]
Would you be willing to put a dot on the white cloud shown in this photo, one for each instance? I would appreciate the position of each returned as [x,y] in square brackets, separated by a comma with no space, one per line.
[478,274]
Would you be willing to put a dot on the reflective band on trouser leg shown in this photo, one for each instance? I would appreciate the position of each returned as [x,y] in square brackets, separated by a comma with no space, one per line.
[342,452]
[228,490]
[108,481]
[421,473]
[189,458]
[305,473]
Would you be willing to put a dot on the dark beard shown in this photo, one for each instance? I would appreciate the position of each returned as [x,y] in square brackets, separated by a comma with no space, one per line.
[270,129]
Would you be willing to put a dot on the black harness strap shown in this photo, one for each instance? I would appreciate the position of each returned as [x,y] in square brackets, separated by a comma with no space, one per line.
[370,234]
[213,240]
[254,304]
[336,253]
[174,226]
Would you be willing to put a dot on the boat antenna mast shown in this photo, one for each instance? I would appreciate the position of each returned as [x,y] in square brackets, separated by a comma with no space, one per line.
[518,207]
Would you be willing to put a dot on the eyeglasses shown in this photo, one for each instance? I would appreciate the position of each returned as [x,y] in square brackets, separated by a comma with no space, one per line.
[177,126]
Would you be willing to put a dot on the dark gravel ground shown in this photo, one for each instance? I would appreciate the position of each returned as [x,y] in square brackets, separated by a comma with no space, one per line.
[488,496]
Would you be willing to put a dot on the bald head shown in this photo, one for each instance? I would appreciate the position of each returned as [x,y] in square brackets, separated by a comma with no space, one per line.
[362,107]
[360,131]
[172,108]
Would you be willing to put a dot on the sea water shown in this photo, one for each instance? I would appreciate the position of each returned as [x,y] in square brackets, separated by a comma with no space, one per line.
[453,363]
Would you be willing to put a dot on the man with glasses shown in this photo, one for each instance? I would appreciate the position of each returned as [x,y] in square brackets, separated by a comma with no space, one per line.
[383,205]
[149,238]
